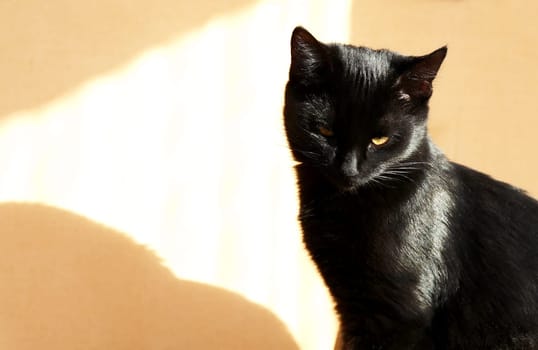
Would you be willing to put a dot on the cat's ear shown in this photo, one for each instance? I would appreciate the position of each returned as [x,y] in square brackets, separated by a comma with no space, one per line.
[416,80]
[309,58]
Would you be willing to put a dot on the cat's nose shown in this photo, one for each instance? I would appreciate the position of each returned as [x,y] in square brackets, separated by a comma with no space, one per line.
[349,165]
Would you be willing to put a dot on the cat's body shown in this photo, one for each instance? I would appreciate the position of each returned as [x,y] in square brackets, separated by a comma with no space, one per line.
[418,252]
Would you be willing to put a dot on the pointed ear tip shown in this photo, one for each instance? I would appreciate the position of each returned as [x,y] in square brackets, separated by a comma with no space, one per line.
[301,32]
[438,55]
[301,36]
[298,29]
[442,50]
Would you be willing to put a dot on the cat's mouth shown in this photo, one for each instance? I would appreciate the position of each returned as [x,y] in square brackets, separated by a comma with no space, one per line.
[346,183]
[350,183]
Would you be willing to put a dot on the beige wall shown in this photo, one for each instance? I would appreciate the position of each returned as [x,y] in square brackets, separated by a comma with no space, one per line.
[484,111]
[48,48]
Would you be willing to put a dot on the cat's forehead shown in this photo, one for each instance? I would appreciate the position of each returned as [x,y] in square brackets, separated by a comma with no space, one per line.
[363,63]
[364,79]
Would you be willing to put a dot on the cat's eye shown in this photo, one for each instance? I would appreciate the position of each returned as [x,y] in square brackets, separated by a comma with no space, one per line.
[325,131]
[380,141]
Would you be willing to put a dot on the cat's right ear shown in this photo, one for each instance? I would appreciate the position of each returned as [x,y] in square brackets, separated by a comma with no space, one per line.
[309,57]
[416,82]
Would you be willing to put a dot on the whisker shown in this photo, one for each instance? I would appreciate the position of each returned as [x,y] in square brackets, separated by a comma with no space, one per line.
[378,182]
[304,152]
[414,164]
[391,178]
[403,175]
[403,170]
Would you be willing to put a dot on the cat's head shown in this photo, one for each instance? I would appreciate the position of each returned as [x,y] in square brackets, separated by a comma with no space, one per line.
[355,114]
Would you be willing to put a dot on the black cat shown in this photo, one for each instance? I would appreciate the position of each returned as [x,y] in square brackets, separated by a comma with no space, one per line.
[418,252]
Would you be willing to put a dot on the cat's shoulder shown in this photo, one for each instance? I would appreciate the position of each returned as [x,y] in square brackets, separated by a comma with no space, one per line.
[484,192]
[475,179]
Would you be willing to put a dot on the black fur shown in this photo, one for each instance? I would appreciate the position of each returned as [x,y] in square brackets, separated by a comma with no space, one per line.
[418,252]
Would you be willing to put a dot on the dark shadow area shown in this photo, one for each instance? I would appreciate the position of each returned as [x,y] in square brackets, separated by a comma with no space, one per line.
[50,47]
[69,283]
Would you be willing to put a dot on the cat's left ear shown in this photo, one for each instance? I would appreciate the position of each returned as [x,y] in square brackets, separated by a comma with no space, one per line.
[416,81]
[309,62]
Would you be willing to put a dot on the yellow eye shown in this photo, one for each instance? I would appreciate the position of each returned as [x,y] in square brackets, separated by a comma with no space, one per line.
[380,141]
[325,132]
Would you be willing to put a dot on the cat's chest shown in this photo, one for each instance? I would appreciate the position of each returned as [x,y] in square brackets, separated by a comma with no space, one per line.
[353,239]
[380,226]
[362,233]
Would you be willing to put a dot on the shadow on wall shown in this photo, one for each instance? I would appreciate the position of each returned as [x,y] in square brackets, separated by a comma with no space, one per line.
[69,283]
[49,47]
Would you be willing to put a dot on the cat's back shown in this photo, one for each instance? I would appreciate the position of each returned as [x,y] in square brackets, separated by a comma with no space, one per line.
[495,227]
[488,205]
[494,241]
